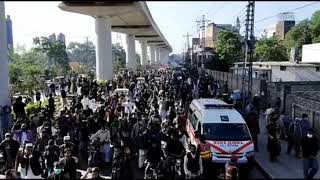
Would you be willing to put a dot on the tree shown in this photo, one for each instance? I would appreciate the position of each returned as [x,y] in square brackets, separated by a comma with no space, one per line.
[228,49]
[83,52]
[55,51]
[270,49]
[297,36]
[25,71]
[315,26]
[118,55]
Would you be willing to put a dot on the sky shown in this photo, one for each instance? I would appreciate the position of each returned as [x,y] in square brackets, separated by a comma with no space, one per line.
[174,19]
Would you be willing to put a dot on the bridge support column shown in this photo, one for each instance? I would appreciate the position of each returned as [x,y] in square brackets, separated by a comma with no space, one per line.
[157,55]
[131,52]
[161,55]
[144,57]
[166,57]
[152,54]
[4,74]
[104,69]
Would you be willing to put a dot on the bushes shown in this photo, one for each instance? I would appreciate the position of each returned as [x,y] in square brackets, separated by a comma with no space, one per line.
[33,107]
[102,83]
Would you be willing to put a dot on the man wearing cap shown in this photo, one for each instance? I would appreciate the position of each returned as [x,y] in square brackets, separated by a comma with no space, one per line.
[28,163]
[22,134]
[67,144]
[9,147]
[42,141]
[232,172]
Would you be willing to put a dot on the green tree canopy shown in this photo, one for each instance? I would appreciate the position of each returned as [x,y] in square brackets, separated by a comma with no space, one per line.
[299,35]
[228,49]
[315,26]
[270,49]
[25,71]
[55,51]
[83,52]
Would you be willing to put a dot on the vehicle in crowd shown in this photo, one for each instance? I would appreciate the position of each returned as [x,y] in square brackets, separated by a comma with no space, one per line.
[157,79]
[224,130]
[119,91]
[141,79]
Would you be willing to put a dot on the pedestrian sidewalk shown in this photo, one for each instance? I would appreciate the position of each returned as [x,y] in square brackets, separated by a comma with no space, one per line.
[288,166]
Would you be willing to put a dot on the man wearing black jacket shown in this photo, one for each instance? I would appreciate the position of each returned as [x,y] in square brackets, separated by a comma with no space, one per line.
[310,148]
[9,147]
[28,162]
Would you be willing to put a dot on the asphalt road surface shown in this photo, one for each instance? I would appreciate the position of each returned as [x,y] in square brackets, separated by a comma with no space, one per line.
[255,173]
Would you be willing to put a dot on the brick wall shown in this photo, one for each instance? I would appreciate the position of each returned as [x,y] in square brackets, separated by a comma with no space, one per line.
[297,105]
[282,89]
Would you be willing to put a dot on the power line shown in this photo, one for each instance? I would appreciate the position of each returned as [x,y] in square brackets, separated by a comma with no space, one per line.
[215,10]
[242,12]
[301,7]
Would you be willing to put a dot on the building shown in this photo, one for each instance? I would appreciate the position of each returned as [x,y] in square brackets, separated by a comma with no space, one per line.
[270,31]
[311,53]
[285,23]
[62,38]
[9,33]
[213,29]
[281,71]
[53,37]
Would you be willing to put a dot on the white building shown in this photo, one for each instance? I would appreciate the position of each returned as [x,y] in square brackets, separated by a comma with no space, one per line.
[270,31]
[281,71]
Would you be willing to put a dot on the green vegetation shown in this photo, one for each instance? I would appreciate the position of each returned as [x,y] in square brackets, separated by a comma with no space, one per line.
[34,107]
[270,49]
[299,35]
[228,50]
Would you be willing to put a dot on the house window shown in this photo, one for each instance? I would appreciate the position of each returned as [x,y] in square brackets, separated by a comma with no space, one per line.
[256,74]
[283,68]
[317,69]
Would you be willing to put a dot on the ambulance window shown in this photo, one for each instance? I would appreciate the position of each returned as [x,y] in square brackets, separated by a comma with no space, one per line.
[194,121]
[199,128]
[226,131]
[190,113]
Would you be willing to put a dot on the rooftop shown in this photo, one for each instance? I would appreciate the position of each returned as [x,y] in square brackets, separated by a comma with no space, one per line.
[281,63]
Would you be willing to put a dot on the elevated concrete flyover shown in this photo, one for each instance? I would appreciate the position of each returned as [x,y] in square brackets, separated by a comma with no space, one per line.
[131,18]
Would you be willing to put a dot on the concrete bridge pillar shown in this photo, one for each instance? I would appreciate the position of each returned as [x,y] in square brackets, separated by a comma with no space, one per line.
[131,52]
[162,55]
[144,57]
[104,69]
[166,57]
[157,55]
[152,54]
[5,99]
[4,65]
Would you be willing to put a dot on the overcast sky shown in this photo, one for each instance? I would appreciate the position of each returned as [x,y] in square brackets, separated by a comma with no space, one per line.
[174,19]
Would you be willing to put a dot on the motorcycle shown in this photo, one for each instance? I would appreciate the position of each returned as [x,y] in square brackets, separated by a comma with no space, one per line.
[151,171]
[175,163]
[117,170]
[3,164]
[95,155]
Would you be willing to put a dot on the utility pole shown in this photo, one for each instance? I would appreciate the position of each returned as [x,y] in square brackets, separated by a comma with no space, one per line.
[198,31]
[249,47]
[203,39]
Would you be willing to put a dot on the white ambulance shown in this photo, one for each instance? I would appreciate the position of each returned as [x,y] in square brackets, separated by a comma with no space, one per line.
[224,130]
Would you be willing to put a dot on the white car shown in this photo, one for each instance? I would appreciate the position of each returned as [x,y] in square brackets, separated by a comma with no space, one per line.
[125,91]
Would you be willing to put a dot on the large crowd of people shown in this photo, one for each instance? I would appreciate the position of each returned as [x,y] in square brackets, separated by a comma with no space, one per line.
[96,128]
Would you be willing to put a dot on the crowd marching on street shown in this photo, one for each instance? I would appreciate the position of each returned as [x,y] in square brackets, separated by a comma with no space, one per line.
[105,125]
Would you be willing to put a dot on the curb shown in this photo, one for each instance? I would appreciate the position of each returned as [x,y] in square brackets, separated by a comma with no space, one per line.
[262,169]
